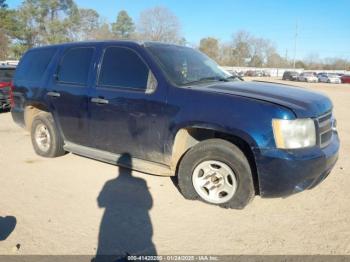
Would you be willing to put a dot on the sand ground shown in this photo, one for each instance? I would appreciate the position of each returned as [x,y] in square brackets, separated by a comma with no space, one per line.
[55,203]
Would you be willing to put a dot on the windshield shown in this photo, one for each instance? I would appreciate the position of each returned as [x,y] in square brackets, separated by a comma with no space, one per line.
[6,74]
[185,66]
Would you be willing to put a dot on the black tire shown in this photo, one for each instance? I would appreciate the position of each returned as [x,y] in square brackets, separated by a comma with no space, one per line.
[225,152]
[56,142]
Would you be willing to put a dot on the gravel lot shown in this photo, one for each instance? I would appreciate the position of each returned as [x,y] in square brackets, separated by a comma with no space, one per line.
[59,205]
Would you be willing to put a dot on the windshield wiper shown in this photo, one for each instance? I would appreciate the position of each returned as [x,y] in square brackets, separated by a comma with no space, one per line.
[205,79]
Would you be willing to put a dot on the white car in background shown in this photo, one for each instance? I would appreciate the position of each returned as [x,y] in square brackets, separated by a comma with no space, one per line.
[329,78]
[307,77]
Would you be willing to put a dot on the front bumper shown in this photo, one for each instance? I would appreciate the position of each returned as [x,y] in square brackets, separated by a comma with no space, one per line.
[284,172]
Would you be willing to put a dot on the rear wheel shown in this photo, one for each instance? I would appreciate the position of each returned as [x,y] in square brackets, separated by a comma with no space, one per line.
[217,172]
[46,140]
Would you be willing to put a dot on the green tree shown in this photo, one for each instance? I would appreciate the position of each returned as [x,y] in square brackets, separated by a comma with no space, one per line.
[4,45]
[124,26]
[87,23]
[46,21]
[5,24]
[210,46]
[103,32]
[3,4]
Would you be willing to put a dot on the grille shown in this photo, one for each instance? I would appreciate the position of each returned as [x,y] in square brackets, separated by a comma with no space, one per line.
[324,127]
[4,95]
[5,91]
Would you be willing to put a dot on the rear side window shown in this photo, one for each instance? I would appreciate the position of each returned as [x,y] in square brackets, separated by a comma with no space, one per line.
[75,65]
[34,64]
[123,68]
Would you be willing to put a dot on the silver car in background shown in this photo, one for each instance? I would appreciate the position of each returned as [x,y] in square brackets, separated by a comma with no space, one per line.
[307,77]
[329,78]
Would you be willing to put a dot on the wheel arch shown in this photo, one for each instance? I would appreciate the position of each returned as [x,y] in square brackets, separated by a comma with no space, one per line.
[31,110]
[187,137]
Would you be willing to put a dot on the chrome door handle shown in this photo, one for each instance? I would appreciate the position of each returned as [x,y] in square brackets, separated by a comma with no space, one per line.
[53,94]
[98,100]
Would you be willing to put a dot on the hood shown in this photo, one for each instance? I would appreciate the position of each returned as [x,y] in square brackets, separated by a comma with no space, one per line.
[302,102]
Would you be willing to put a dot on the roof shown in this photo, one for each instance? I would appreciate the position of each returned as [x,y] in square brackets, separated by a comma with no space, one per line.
[130,42]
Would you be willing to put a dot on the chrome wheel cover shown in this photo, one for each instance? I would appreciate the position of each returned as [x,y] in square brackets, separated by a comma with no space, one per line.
[42,137]
[214,181]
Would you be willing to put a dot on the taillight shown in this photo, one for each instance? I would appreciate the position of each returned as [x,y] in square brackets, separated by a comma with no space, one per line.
[4,84]
[12,101]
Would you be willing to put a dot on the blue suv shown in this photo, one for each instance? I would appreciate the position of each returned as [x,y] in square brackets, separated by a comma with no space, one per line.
[177,113]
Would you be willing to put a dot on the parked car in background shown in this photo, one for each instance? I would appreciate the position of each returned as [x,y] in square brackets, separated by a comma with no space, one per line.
[259,73]
[170,110]
[266,73]
[290,75]
[249,73]
[6,75]
[329,78]
[307,77]
[256,73]
[240,73]
[345,79]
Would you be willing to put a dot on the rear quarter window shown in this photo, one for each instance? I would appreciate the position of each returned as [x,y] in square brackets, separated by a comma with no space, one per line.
[34,64]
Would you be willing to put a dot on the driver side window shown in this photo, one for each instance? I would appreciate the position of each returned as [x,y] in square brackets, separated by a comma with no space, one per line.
[123,68]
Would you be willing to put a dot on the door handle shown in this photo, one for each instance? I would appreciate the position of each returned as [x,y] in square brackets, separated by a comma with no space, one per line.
[99,100]
[54,94]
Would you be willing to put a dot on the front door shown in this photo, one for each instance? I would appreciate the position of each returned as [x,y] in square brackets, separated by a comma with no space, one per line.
[127,108]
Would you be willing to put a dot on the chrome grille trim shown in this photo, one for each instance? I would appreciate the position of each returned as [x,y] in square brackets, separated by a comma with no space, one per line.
[324,129]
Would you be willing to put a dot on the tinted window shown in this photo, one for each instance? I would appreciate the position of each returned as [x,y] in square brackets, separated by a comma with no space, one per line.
[75,66]
[123,68]
[6,74]
[34,64]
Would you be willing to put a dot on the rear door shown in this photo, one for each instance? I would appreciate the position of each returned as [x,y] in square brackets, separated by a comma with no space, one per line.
[68,94]
[127,106]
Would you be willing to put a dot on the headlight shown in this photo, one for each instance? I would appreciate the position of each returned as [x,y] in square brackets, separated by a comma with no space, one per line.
[291,134]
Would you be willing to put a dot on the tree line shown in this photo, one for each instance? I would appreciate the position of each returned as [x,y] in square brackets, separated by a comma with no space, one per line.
[246,50]
[43,22]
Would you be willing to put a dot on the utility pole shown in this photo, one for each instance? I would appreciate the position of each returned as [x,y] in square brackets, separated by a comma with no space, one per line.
[295,43]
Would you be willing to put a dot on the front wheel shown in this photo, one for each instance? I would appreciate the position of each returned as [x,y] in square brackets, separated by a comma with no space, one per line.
[217,172]
[46,140]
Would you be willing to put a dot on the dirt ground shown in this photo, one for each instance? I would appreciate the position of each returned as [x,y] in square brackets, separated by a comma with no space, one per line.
[74,205]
